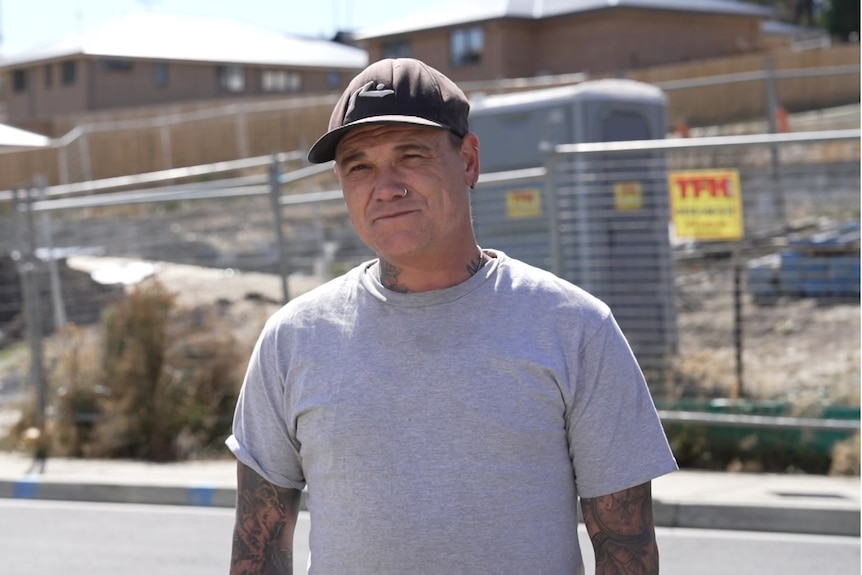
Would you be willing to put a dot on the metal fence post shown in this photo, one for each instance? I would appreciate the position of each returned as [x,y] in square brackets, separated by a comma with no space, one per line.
[274,197]
[84,147]
[737,390]
[772,115]
[771,94]
[551,201]
[54,273]
[27,269]
[63,160]
[167,151]
[586,277]
[241,134]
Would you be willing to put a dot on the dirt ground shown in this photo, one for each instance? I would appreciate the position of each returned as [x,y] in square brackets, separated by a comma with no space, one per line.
[801,350]
[246,298]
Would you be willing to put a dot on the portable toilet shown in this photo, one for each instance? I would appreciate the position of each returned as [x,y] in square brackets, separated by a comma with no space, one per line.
[599,220]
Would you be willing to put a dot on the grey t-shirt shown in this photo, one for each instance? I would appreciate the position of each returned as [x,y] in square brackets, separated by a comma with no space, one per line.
[449,431]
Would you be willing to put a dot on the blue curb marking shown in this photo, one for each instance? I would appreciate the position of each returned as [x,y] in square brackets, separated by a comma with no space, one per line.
[201,496]
[26,488]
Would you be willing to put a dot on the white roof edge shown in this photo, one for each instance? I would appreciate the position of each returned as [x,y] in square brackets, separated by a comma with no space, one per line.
[7,63]
[193,39]
[12,137]
[474,13]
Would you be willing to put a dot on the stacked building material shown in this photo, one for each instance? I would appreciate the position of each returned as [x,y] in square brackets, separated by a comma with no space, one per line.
[823,265]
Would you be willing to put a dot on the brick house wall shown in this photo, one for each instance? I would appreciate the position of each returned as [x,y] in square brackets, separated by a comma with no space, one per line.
[46,86]
[108,83]
[602,41]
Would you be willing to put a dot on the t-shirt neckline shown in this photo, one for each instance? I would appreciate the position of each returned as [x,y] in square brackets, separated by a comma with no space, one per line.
[372,285]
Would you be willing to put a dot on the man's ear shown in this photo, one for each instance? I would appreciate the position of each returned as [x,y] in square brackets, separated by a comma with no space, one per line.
[470,154]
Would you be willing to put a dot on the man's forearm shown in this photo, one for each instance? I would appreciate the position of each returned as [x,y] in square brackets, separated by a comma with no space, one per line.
[265,520]
[622,532]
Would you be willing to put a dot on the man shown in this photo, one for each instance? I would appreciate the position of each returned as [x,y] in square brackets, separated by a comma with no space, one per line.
[446,406]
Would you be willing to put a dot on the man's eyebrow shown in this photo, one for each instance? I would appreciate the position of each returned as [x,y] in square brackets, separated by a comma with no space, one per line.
[359,154]
[417,146]
[351,157]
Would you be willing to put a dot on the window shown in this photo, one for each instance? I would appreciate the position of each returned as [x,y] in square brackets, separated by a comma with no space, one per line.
[396,49]
[160,71]
[115,65]
[49,75]
[280,81]
[231,78]
[466,45]
[19,80]
[68,72]
[333,79]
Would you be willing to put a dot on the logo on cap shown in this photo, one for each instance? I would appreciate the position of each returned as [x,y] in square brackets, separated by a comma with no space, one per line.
[379,91]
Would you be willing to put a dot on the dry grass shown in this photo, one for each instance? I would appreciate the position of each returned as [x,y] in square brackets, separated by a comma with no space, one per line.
[152,382]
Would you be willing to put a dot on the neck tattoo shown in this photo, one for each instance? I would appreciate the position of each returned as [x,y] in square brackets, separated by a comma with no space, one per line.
[476,263]
[388,274]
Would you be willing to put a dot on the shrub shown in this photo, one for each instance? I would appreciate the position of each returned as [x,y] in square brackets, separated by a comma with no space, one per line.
[155,382]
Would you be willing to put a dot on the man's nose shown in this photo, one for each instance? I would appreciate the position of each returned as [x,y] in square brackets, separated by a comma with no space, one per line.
[390,186]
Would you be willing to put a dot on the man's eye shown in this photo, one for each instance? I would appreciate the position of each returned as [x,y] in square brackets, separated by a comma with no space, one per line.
[356,168]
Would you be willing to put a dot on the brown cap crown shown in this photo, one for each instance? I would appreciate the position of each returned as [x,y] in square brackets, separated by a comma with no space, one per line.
[394,91]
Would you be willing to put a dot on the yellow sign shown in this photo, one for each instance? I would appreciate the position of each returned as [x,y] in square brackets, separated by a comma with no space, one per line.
[706,204]
[522,204]
[628,196]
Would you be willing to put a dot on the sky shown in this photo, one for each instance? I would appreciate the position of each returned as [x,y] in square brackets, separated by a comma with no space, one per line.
[25,24]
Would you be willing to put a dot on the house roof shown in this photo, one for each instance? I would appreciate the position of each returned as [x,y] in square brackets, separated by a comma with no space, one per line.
[16,138]
[459,12]
[159,36]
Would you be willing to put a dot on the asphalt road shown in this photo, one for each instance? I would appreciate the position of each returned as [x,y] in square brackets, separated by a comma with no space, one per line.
[38,537]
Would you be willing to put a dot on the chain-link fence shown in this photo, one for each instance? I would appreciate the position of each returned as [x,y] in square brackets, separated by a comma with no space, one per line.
[773,315]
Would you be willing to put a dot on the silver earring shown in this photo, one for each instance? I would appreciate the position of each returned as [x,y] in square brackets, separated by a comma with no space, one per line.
[404,195]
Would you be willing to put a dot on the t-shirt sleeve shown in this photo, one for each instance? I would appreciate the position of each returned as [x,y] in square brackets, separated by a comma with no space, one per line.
[616,439]
[261,435]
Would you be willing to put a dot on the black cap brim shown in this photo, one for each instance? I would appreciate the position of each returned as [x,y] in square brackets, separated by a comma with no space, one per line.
[324,148]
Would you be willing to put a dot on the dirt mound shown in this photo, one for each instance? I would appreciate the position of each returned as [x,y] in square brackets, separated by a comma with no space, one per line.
[82,298]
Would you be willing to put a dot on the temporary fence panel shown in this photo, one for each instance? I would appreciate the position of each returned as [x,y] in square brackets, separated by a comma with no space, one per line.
[585,213]
[599,221]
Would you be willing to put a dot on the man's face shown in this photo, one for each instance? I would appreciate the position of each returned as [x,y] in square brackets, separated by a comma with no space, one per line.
[376,163]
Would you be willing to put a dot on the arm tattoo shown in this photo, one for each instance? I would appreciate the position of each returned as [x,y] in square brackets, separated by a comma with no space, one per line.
[389,276]
[263,533]
[622,532]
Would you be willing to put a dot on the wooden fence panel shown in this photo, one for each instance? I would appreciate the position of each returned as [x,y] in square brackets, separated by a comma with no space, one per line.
[729,102]
[18,168]
[115,153]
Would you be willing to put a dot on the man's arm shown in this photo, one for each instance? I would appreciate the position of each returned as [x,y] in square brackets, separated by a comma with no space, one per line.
[622,531]
[265,520]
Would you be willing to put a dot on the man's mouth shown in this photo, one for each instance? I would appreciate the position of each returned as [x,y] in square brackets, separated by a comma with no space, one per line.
[393,215]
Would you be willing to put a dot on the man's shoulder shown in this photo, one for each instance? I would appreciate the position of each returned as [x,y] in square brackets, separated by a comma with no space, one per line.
[545,286]
[328,295]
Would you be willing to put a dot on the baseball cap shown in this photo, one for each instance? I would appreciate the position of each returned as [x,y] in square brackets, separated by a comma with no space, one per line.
[394,91]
